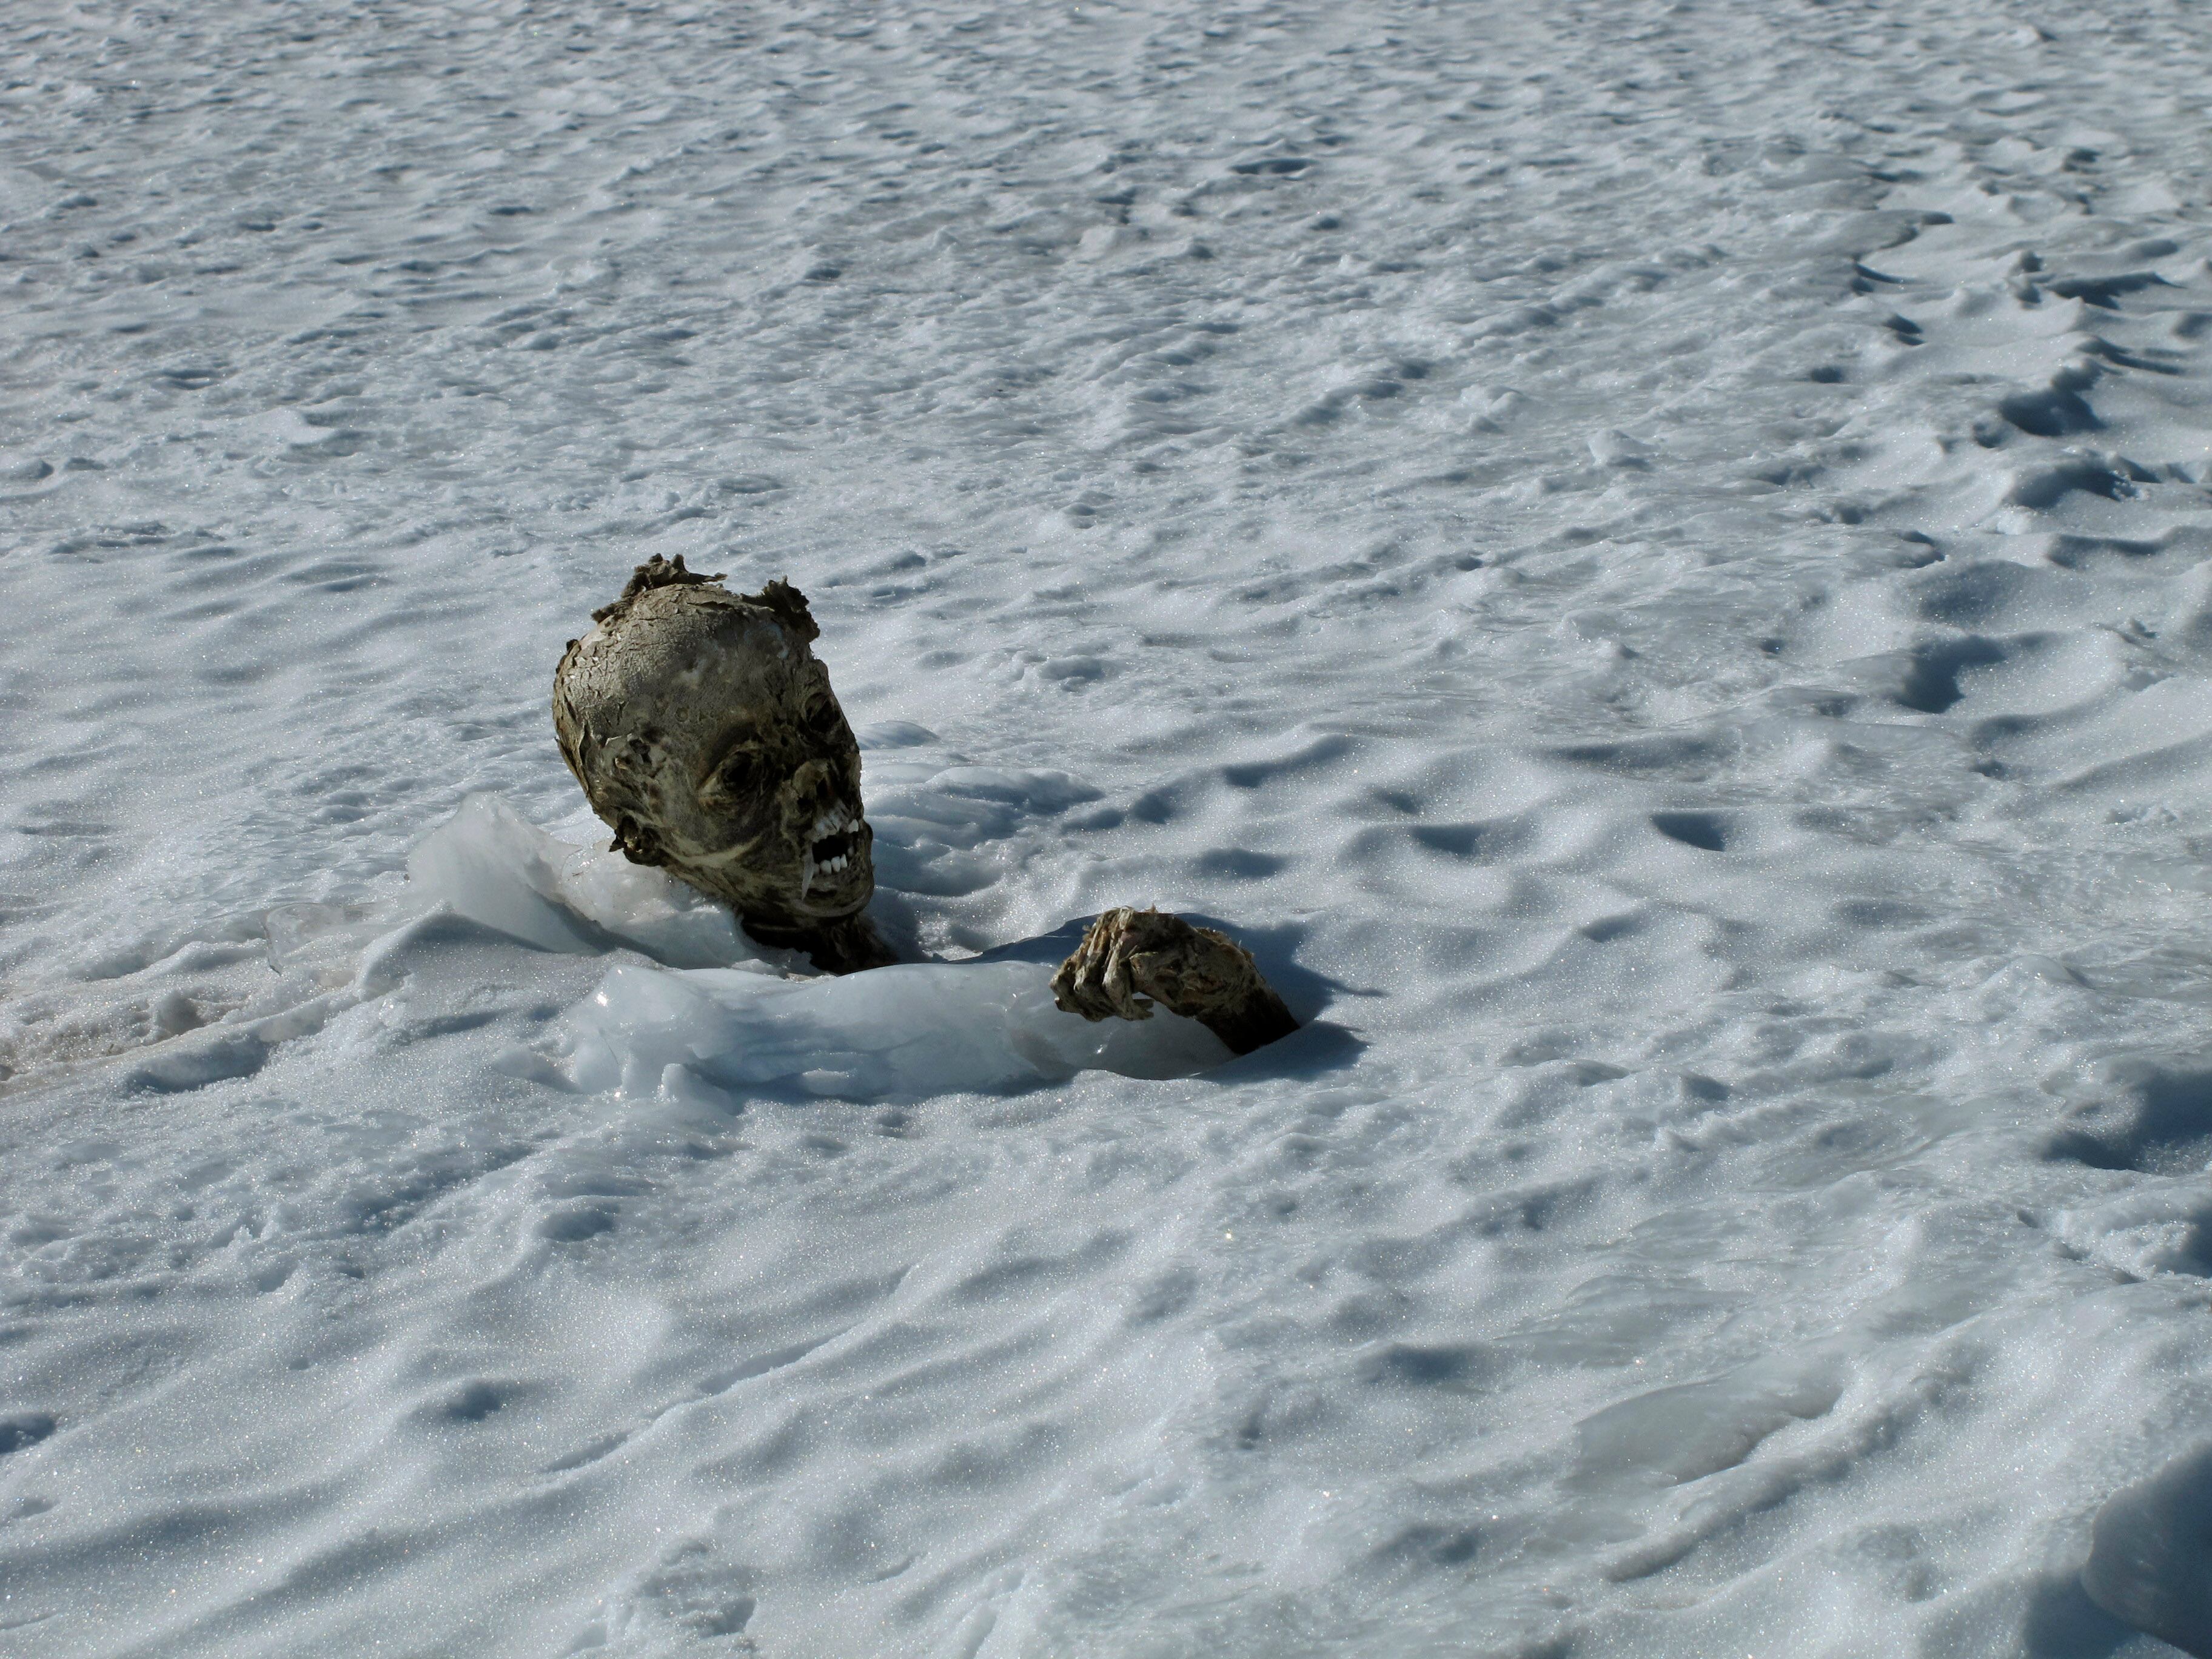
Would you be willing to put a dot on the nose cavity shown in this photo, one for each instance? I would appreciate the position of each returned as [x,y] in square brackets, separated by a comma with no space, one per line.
[814,786]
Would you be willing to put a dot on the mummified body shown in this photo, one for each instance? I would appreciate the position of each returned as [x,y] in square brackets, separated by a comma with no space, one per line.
[705,734]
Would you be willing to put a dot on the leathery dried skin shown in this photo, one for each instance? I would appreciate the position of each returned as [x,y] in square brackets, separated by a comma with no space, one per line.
[705,734]
[1130,959]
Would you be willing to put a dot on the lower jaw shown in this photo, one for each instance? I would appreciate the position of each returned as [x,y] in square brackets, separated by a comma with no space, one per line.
[820,904]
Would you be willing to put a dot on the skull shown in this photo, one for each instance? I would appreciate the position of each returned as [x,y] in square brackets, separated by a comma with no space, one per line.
[705,734]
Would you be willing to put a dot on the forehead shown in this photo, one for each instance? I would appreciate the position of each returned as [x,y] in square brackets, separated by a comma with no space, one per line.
[759,656]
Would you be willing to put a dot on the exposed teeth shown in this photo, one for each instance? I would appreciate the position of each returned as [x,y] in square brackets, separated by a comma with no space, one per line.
[835,822]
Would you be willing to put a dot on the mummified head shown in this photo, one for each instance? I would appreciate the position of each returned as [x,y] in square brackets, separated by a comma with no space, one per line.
[705,734]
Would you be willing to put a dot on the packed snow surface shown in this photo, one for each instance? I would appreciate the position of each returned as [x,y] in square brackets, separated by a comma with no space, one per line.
[1653,560]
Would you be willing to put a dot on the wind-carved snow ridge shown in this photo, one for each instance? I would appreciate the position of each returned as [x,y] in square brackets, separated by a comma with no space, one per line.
[1652,557]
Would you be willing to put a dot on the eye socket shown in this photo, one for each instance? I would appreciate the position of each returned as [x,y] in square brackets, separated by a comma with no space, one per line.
[823,718]
[736,777]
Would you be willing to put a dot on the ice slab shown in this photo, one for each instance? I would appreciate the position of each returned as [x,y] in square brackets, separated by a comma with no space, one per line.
[718,1014]
[488,865]
[915,1030]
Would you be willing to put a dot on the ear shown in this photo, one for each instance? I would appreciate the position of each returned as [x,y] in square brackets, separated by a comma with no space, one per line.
[789,605]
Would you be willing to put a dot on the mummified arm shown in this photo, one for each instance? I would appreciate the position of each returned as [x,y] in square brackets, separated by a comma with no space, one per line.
[1131,959]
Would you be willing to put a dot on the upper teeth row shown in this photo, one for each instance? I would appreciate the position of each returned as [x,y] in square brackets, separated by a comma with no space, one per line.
[829,823]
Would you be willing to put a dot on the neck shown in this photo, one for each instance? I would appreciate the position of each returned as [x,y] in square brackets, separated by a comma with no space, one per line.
[846,945]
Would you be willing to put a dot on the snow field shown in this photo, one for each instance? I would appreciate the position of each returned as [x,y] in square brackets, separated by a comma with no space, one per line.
[1649,558]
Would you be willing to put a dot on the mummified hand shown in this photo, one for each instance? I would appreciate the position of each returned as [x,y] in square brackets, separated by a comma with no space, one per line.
[1131,959]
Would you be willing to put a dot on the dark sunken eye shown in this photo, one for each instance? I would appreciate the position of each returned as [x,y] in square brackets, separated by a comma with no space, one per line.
[738,775]
[822,718]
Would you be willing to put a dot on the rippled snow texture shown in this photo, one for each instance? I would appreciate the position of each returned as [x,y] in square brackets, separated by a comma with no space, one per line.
[1653,560]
